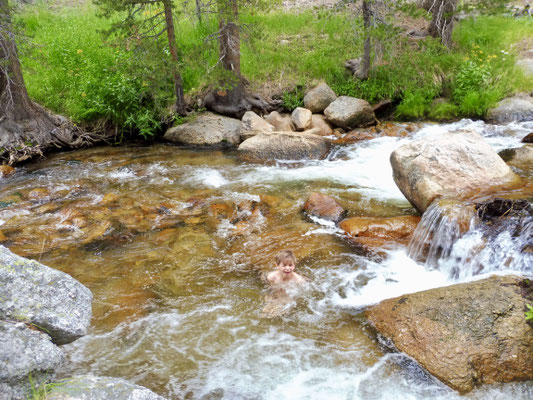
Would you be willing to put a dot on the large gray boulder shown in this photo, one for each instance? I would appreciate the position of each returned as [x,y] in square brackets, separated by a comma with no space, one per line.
[516,109]
[349,113]
[449,165]
[51,300]
[25,352]
[319,98]
[283,146]
[89,387]
[207,129]
[467,334]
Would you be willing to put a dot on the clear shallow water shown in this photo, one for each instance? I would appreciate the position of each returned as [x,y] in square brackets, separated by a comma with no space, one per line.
[173,244]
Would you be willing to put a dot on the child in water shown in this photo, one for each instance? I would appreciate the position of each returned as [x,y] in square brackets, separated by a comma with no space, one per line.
[284,273]
[283,281]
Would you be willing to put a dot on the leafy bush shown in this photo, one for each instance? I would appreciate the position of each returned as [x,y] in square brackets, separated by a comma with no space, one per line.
[443,111]
[74,72]
[293,99]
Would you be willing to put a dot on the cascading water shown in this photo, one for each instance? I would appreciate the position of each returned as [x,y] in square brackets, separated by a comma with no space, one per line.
[170,242]
[453,238]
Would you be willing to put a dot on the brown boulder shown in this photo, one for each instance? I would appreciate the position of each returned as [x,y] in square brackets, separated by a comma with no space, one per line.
[281,123]
[528,138]
[379,232]
[320,122]
[323,206]
[301,117]
[466,335]
[253,124]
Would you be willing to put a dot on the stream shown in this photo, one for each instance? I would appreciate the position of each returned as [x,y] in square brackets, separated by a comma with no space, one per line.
[174,244]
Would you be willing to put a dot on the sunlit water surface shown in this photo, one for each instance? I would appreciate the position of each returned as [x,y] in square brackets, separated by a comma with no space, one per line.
[173,244]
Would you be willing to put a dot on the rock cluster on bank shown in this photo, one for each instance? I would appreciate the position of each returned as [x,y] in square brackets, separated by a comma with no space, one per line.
[298,136]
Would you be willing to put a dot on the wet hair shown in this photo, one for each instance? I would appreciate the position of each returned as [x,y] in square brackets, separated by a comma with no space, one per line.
[284,256]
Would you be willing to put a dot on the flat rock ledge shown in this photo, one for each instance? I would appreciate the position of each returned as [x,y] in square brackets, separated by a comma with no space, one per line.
[467,334]
[89,387]
[208,129]
[47,298]
[283,146]
[25,352]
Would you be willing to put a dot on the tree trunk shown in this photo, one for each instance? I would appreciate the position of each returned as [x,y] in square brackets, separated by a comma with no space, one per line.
[441,25]
[26,129]
[178,83]
[230,98]
[365,62]
[199,11]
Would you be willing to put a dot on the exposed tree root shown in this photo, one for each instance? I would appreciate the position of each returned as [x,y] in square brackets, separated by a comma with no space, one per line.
[22,140]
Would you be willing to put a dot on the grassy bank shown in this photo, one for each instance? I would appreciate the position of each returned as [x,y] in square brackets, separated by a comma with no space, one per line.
[74,70]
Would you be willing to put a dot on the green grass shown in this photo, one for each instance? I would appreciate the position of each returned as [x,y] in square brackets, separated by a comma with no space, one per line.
[74,70]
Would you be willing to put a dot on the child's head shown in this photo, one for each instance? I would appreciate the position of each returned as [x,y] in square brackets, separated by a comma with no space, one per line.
[285,256]
[285,259]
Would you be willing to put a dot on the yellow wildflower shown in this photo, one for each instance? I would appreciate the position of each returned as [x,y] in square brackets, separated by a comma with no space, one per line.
[79,51]
[83,94]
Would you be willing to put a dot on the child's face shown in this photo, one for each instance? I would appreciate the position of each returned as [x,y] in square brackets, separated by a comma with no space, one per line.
[286,267]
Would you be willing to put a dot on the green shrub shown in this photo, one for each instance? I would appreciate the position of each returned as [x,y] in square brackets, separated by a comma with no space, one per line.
[293,99]
[414,105]
[443,111]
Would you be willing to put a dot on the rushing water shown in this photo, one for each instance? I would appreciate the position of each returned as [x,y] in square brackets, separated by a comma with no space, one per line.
[173,244]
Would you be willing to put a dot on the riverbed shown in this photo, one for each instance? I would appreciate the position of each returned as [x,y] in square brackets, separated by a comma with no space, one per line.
[174,244]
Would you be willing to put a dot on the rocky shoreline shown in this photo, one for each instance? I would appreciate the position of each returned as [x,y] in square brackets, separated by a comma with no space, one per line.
[40,310]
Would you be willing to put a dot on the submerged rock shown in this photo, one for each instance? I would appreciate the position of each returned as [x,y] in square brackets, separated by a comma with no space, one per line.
[89,387]
[449,165]
[283,146]
[378,232]
[466,335]
[516,109]
[323,206]
[50,299]
[319,98]
[349,112]
[207,129]
[25,352]
[6,170]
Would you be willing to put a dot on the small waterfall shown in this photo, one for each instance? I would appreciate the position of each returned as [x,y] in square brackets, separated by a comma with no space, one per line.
[467,239]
